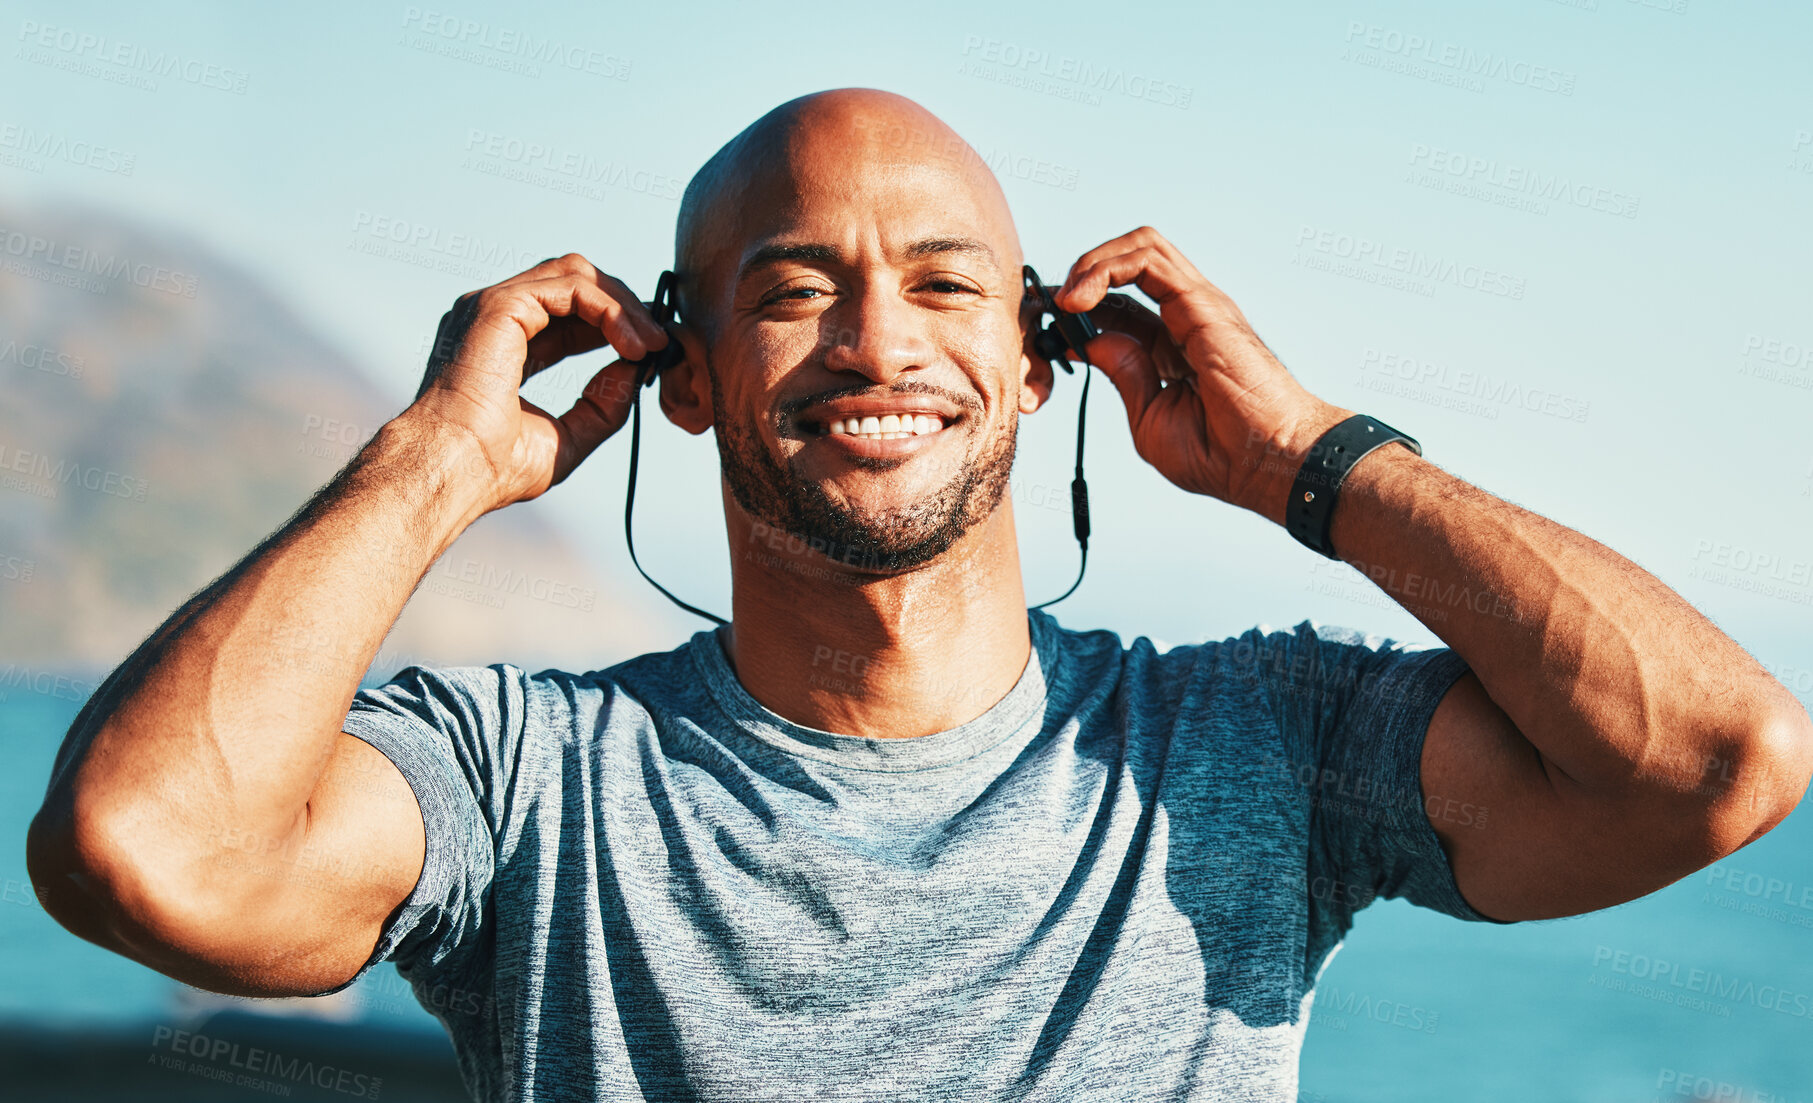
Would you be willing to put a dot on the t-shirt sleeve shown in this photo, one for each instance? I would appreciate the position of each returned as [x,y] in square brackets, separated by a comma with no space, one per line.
[453,735]
[1354,710]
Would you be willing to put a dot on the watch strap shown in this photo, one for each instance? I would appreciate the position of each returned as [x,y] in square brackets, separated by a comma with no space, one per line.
[1310,513]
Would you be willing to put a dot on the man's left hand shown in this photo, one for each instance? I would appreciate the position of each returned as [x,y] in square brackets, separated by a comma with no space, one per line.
[1209,404]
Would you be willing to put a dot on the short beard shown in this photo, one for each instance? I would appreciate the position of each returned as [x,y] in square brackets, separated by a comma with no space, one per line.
[888,541]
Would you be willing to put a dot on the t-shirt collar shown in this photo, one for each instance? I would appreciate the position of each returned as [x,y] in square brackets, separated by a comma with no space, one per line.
[1023,704]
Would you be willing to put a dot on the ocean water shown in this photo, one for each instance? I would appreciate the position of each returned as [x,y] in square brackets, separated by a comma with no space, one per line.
[1701,991]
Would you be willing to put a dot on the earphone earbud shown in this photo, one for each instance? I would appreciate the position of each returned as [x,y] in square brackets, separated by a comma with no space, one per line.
[662,307]
[1066,331]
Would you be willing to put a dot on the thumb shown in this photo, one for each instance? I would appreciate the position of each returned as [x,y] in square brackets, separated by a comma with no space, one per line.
[601,410]
[1124,360]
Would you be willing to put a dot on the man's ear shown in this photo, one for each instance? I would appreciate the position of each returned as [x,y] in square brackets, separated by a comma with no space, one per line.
[686,386]
[1035,370]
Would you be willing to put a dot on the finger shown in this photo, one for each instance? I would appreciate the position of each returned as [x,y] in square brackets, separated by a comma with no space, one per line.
[1143,238]
[572,264]
[590,301]
[637,311]
[548,269]
[1115,246]
[496,340]
[1145,267]
[1184,304]
[1125,313]
[575,266]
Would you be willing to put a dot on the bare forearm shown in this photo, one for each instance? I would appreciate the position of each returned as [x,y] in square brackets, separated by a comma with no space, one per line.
[1613,677]
[1617,737]
[225,717]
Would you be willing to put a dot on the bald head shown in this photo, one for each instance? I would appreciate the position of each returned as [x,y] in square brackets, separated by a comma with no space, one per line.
[851,270]
[826,143]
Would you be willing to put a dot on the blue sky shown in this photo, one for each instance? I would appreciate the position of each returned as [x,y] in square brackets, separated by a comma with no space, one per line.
[1631,184]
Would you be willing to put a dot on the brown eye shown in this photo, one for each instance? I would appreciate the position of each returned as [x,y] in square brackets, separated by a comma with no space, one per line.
[796,294]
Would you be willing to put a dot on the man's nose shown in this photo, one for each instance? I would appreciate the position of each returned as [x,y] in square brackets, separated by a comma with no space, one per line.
[876,334]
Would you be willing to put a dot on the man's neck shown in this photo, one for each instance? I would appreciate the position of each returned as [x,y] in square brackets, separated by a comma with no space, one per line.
[832,648]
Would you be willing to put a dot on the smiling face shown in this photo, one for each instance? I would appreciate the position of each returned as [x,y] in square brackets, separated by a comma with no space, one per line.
[860,307]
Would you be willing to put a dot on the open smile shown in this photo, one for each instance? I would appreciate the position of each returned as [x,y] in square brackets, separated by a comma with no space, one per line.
[885,427]
[898,425]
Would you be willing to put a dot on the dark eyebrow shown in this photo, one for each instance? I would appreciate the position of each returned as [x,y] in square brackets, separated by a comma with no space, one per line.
[931,245]
[769,254]
[815,251]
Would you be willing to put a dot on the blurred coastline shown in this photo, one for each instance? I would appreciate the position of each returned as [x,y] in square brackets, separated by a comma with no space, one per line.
[151,434]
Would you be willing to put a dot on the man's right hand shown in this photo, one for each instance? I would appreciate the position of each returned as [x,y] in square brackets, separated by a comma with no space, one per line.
[496,338]
[226,724]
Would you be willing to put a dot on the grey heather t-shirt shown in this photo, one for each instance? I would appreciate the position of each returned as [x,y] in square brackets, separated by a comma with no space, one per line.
[1120,882]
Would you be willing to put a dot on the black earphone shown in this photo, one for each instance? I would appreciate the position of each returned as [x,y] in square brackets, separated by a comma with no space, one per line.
[1068,333]
[647,369]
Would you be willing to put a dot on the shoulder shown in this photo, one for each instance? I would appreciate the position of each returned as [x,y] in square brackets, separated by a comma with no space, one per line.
[1101,652]
[1250,680]
[508,698]
[654,679]
[473,697]
[1147,674]
[616,702]
[1263,655]
[1309,656]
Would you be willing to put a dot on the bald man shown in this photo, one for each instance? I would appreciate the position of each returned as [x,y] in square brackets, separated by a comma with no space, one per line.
[888,834]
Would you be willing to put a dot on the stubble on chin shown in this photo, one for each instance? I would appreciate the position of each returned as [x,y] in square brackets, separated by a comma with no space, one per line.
[885,541]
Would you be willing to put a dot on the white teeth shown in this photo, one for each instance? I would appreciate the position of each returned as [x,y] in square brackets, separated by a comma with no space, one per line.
[886,427]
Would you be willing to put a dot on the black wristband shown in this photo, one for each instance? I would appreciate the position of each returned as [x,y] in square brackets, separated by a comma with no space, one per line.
[1310,513]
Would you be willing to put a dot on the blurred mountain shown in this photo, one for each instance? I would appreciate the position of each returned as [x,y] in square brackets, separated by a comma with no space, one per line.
[161,411]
